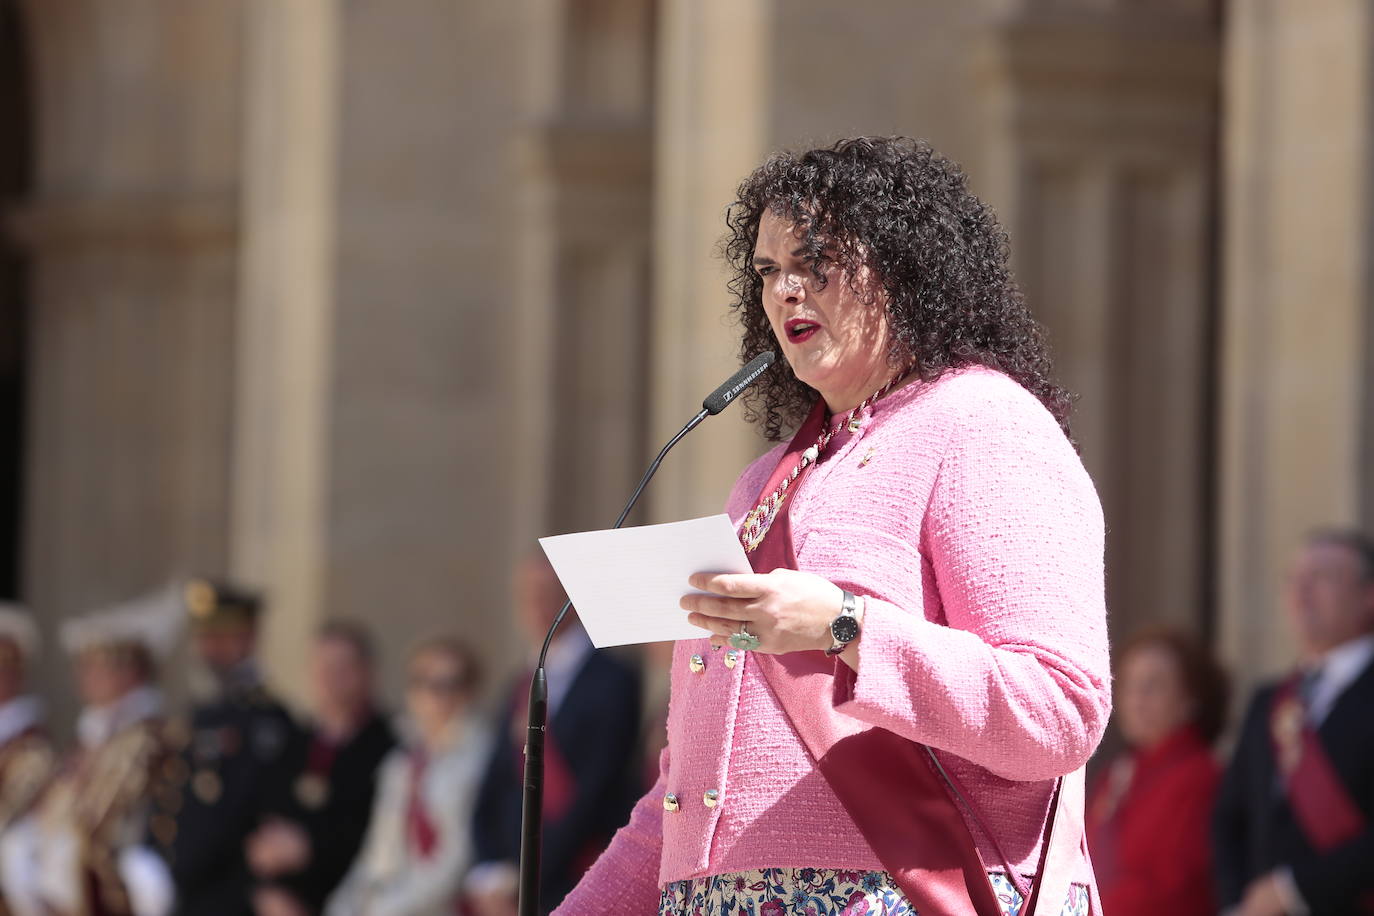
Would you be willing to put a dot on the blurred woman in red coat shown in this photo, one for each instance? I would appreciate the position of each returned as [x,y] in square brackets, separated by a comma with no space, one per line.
[1149,812]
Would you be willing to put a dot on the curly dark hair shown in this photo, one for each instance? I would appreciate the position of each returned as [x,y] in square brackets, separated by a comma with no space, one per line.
[896,206]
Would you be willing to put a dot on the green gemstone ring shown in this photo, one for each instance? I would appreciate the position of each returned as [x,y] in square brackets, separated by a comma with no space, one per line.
[743,640]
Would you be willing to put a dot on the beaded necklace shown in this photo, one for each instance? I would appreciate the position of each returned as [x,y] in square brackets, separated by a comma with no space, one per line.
[755,526]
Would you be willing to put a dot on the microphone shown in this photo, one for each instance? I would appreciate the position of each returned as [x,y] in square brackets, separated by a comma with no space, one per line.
[720,399]
[532,815]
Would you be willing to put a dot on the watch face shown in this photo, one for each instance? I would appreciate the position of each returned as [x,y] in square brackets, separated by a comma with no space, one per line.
[844,629]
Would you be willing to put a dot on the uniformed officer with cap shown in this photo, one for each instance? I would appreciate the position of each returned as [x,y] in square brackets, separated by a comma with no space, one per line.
[211,795]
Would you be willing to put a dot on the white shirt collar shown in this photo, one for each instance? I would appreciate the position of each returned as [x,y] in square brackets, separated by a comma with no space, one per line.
[456,733]
[19,715]
[564,662]
[1339,669]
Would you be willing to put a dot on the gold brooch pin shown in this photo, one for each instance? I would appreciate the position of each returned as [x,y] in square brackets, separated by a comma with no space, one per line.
[1287,725]
[207,786]
[312,790]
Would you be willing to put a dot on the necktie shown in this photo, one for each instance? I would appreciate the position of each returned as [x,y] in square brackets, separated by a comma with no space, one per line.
[420,828]
[1307,690]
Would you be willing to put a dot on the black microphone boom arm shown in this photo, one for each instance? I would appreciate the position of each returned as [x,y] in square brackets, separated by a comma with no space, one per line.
[532,814]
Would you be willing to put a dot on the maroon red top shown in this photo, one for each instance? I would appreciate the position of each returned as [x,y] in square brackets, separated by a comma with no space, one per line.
[1149,818]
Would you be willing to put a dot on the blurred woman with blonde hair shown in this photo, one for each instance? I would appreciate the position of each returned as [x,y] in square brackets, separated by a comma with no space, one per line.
[418,843]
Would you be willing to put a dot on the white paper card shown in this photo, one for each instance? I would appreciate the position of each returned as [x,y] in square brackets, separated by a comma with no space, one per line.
[626,583]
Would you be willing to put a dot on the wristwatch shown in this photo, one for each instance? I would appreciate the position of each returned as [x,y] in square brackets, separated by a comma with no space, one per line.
[844,629]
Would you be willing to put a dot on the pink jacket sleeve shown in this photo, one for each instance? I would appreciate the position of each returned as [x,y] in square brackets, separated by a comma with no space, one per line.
[1016,679]
[624,879]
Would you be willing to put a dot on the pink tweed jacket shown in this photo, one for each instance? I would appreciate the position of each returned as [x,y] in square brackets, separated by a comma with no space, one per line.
[963,515]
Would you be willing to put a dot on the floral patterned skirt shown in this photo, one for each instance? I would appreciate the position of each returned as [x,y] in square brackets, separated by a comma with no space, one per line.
[818,892]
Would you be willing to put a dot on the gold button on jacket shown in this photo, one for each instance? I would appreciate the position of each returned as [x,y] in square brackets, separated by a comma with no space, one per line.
[697,664]
[670,802]
[711,798]
[731,659]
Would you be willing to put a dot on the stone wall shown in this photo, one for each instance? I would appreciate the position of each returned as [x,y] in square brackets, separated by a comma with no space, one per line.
[1296,404]
[356,300]
[132,240]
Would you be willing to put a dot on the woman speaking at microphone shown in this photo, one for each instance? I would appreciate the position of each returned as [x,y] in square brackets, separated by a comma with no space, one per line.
[890,715]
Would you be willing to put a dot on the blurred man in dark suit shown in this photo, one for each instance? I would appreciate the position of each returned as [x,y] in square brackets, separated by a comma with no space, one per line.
[1293,821]
[316,825]
[591,771]
[212,795]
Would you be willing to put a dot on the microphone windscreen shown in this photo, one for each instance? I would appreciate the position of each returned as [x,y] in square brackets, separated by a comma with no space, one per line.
[749,373]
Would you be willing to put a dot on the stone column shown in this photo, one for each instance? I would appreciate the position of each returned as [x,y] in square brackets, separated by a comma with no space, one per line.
[419,487]
[590,156]
[1295,396]
[1100,160]
[712,129]
[285,321]
[131,235]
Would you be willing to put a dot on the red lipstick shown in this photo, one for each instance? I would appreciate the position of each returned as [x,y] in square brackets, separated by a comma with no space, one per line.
[799,330]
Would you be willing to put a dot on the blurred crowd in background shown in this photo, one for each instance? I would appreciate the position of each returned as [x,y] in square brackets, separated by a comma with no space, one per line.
[238,805]
[352,809]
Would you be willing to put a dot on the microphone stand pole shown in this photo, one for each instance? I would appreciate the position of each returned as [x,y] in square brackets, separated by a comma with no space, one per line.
[532,821]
